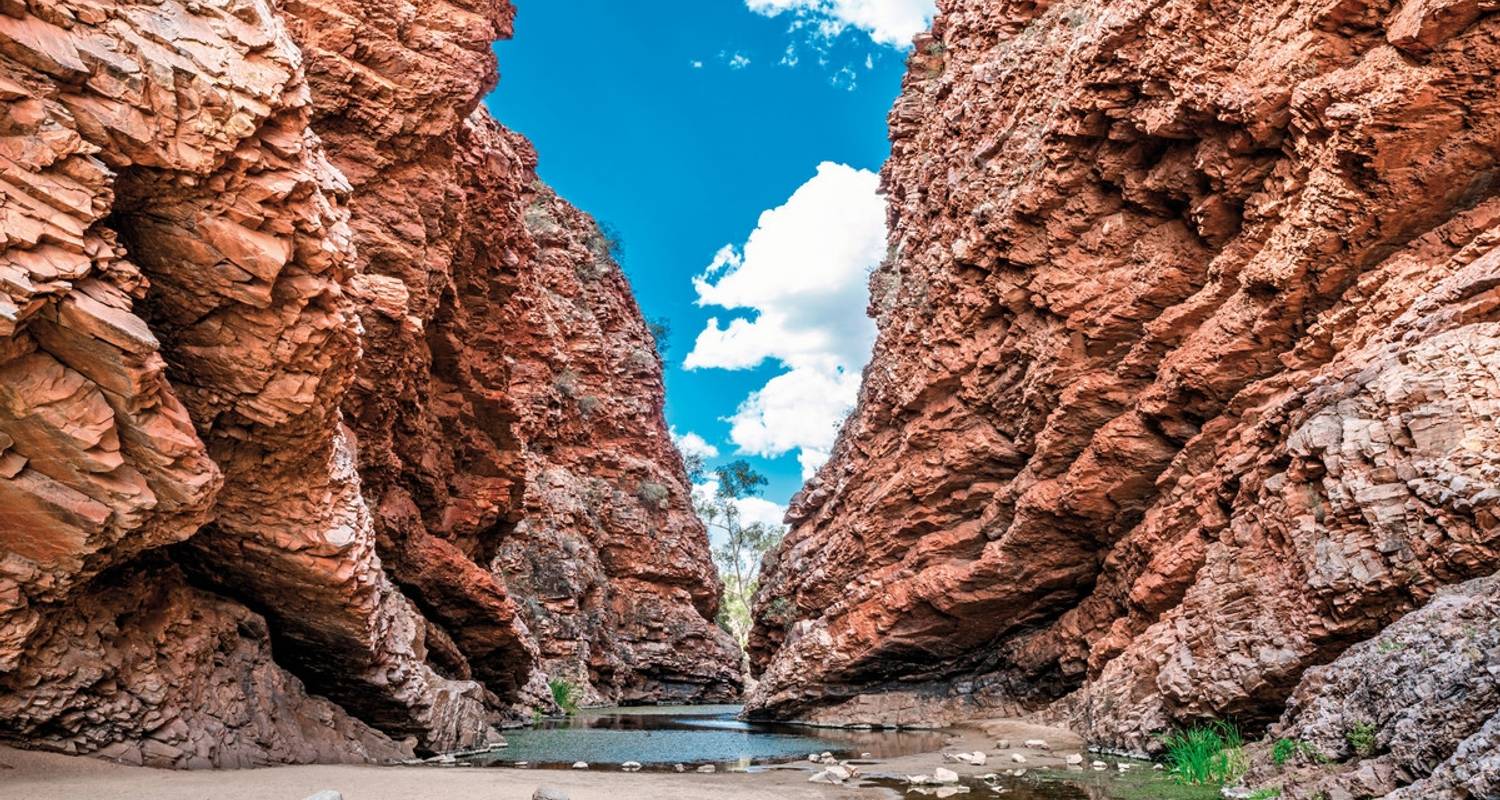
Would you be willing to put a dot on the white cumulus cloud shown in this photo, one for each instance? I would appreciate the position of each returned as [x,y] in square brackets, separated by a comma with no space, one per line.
[889,22]
[691,444]
[802,279]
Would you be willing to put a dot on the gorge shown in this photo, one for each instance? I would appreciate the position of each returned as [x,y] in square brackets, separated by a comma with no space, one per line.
[329,433]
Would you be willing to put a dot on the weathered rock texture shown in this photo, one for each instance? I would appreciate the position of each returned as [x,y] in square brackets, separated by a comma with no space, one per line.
[209,211]
[1417,707]
[1187,371]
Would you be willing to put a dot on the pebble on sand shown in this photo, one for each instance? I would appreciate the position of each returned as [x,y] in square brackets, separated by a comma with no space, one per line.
[549,793]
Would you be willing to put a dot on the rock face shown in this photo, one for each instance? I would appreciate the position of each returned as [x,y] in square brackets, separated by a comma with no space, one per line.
[1417,707]
[259,422]
[1186,377]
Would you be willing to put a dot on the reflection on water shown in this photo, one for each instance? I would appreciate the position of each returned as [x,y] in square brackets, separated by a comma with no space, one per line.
[692,735]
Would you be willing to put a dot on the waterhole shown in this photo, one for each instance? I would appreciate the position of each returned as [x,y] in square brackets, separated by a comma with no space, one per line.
[662,737]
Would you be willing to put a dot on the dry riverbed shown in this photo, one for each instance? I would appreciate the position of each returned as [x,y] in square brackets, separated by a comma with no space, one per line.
[43,776]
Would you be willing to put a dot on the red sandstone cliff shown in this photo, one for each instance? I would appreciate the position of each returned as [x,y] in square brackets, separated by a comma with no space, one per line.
[269,415]
[1186,376]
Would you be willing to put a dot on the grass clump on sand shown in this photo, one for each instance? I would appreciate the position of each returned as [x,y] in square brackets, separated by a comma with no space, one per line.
[565,695]
[1211,754]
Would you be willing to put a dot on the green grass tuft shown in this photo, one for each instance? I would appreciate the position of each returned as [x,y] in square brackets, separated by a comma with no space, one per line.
[1211,754]
[1285,750]
[565,694]
[1362,739]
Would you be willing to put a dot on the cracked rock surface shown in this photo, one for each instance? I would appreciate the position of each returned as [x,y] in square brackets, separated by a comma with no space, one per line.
[1187,371]
[263,457]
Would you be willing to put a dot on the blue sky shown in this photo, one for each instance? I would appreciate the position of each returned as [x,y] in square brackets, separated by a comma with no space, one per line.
[679,123]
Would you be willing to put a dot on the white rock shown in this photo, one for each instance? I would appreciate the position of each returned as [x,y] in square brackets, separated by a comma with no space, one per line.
[949,791]
[679,768]
[1157,766]
[549,793]
[814,757]
[1037,744]
[821,776]
[580,765]
[1018,758]
[707,768]
[631,766]
[326,794]
[1098,765]
[918,780]
[943,775]
[1003,744]
[1074,759]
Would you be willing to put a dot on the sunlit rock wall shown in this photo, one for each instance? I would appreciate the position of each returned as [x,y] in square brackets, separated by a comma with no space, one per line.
[244,445]
[1186,377]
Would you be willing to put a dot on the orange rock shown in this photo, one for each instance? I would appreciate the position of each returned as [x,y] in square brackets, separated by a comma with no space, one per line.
[1185,377]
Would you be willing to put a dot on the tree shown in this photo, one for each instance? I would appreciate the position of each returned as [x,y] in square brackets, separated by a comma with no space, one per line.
[661,333]
[743,546]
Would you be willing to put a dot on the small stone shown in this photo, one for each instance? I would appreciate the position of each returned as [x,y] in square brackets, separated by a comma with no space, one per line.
[1037,744]
[326,794]
[679,768]
[580,765]
[1018,758]
[1074,759]
[1003,744]
[814,757]
[631,766]
[549,793]
[707,768]
[943,775]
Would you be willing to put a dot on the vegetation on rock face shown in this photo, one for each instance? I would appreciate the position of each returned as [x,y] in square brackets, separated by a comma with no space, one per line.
[564,694]
[660,330]
[1210,754]
[1285,750]
[1361,739]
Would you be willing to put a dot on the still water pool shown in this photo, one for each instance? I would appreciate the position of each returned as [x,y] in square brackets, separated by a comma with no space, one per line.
[663,736]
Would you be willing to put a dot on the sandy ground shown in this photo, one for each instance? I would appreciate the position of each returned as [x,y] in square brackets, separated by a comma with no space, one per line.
[44,776]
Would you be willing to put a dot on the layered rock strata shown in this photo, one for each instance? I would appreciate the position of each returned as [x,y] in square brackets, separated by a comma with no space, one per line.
[1186,376]
[246,442]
